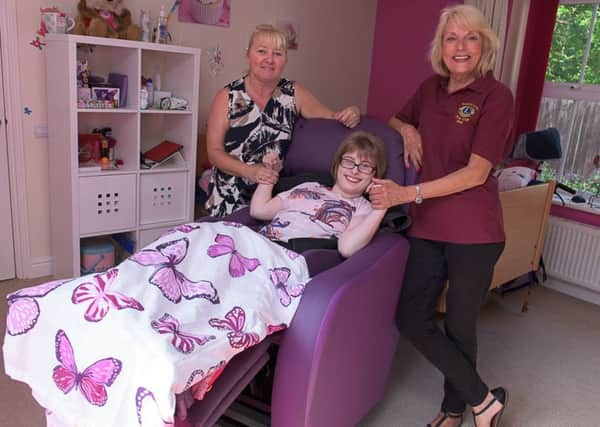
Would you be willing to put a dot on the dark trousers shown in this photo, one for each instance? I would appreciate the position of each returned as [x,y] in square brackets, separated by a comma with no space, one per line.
[469,269]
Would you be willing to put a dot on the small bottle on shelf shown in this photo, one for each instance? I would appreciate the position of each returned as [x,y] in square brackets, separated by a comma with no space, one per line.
[150,90]
[146,25]
[162,35]
[143,95]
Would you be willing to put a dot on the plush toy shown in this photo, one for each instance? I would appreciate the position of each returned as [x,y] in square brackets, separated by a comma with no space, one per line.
[105,18]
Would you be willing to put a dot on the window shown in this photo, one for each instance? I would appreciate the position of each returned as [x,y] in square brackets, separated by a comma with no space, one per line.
[571,98]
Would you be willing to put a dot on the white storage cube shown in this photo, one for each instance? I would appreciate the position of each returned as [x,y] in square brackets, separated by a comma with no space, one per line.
[107,203]
[151,234]
[163,197]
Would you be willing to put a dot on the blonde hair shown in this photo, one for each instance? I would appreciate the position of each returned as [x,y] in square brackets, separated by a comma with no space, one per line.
[471,19]
[271,33]
[365,144]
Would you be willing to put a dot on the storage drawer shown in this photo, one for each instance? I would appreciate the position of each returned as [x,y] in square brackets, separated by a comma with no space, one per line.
[163,197]
[151,234]
[106,203]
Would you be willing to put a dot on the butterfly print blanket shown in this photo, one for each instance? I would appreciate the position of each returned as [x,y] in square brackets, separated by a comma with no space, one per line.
[113,348]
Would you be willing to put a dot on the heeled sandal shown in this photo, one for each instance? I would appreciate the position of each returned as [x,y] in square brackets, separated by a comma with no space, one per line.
[445,416]
[500,395]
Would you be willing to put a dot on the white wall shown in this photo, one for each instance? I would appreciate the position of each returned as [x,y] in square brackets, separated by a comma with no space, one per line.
[333,60]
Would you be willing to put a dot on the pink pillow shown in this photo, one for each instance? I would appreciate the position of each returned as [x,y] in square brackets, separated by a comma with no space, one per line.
[514,177]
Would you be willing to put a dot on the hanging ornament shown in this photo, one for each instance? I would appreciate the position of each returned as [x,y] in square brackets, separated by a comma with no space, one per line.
[215,60]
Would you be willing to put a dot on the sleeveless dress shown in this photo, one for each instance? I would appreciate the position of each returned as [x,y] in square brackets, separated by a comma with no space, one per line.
[252,133]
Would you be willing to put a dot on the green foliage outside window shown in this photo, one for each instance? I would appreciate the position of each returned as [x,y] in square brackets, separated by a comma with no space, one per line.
[576,182]
[571,32]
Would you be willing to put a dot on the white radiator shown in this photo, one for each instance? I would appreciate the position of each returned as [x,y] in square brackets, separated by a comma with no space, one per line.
[572,253]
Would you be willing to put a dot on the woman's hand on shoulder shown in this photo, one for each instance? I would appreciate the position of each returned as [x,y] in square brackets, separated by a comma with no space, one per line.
[413,145]
[385,193]
[310,107]
[349,116]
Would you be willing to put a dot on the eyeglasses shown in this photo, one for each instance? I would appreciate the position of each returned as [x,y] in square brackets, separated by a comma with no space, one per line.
[348,163]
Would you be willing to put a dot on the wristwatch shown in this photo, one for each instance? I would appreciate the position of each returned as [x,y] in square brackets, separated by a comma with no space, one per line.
[418,196]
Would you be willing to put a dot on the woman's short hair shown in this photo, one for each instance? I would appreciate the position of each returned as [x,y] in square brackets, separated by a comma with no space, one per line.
[470,18]
[367,145]
[270,33]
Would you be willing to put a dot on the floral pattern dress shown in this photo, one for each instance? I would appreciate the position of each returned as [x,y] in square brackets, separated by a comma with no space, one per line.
[252,133]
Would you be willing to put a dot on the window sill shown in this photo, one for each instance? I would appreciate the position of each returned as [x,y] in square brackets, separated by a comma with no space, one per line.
[579,212]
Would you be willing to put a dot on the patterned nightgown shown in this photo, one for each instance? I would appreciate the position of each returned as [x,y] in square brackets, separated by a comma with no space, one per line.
[252,133]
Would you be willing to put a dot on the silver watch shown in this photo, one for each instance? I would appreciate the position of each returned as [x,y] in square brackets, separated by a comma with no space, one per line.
[418,196]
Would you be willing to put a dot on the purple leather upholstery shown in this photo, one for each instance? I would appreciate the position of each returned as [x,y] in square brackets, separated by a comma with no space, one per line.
[333,362]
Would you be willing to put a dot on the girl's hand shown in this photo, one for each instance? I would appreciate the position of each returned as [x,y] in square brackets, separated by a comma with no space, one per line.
[349,116]
[271,160]
[385,193]
[413,146]
[261,174]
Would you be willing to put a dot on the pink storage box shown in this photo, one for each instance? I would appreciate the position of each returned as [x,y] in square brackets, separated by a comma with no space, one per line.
[97,256]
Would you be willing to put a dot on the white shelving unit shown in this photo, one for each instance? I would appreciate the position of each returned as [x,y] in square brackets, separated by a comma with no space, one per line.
[142,203]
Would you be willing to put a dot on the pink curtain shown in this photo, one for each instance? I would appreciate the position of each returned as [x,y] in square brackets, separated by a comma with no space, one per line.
[534,60]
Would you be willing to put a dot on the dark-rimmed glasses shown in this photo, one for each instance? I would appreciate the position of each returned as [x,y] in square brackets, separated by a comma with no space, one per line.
[348,163]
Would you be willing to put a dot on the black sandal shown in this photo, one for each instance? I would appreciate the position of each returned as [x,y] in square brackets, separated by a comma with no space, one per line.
[445,417]
[500,395]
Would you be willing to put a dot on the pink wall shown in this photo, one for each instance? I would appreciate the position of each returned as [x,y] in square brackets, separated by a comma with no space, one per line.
[400,61]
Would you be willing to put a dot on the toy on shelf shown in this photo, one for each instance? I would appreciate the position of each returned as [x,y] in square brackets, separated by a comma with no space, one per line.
[105,18]
[97,151]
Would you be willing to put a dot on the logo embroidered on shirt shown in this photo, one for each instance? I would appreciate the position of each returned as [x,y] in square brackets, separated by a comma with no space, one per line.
[465,111]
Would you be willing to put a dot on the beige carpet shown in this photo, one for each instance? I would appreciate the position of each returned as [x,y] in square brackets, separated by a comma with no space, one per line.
[548,358]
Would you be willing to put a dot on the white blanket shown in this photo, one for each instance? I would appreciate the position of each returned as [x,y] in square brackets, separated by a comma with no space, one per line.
[113,349]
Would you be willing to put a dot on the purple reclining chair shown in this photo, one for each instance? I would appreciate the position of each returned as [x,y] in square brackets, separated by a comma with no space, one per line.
[333,362]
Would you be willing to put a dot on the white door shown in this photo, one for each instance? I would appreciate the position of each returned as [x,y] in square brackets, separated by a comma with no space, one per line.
[7,251]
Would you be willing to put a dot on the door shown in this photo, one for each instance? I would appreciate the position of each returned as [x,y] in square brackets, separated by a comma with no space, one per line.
[7,252]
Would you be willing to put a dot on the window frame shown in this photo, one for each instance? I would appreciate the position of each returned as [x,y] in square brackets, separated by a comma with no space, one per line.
[574,90]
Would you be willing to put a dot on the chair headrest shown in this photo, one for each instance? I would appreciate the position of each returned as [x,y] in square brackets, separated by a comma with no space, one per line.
[539,145]
[315,141]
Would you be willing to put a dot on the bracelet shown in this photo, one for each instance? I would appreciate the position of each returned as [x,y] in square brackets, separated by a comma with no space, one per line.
[418,196]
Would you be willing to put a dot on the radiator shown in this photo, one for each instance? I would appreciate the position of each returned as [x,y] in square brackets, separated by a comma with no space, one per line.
[572,253]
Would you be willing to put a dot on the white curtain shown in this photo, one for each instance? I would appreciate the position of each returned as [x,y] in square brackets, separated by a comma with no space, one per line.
[496,12]
[513,48]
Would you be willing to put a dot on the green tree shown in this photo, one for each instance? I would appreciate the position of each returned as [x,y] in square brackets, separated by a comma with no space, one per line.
[568,44]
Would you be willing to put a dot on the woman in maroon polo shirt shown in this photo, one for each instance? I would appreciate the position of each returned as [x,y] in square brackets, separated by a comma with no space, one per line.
[455,128]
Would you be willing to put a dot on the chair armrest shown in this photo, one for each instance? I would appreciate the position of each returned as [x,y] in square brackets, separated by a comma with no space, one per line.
[344,325]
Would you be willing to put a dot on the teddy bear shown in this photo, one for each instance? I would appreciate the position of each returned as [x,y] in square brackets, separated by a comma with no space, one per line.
[105,18]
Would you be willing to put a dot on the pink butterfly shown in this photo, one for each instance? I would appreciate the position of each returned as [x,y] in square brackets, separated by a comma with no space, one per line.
[279,277]
[238,264]
[232,224]
[23,309]
[271,329]
[147,414]
[203,386]
[235,321]
[101,299]
[92,382]
[184,228]
[291,254]
[182,341]
[172,283]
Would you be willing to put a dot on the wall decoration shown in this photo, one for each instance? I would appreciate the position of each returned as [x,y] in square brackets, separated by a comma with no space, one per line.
[27,111]
[215,60]
[37,42]
[209,12]
[290,30]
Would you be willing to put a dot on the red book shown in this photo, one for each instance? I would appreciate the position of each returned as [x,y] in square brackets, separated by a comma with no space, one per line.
[162,151]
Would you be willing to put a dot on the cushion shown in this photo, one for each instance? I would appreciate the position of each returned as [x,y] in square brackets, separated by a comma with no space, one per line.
[514,177]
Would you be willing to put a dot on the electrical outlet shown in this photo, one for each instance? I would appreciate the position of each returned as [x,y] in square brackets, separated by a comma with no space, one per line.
[40,130]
